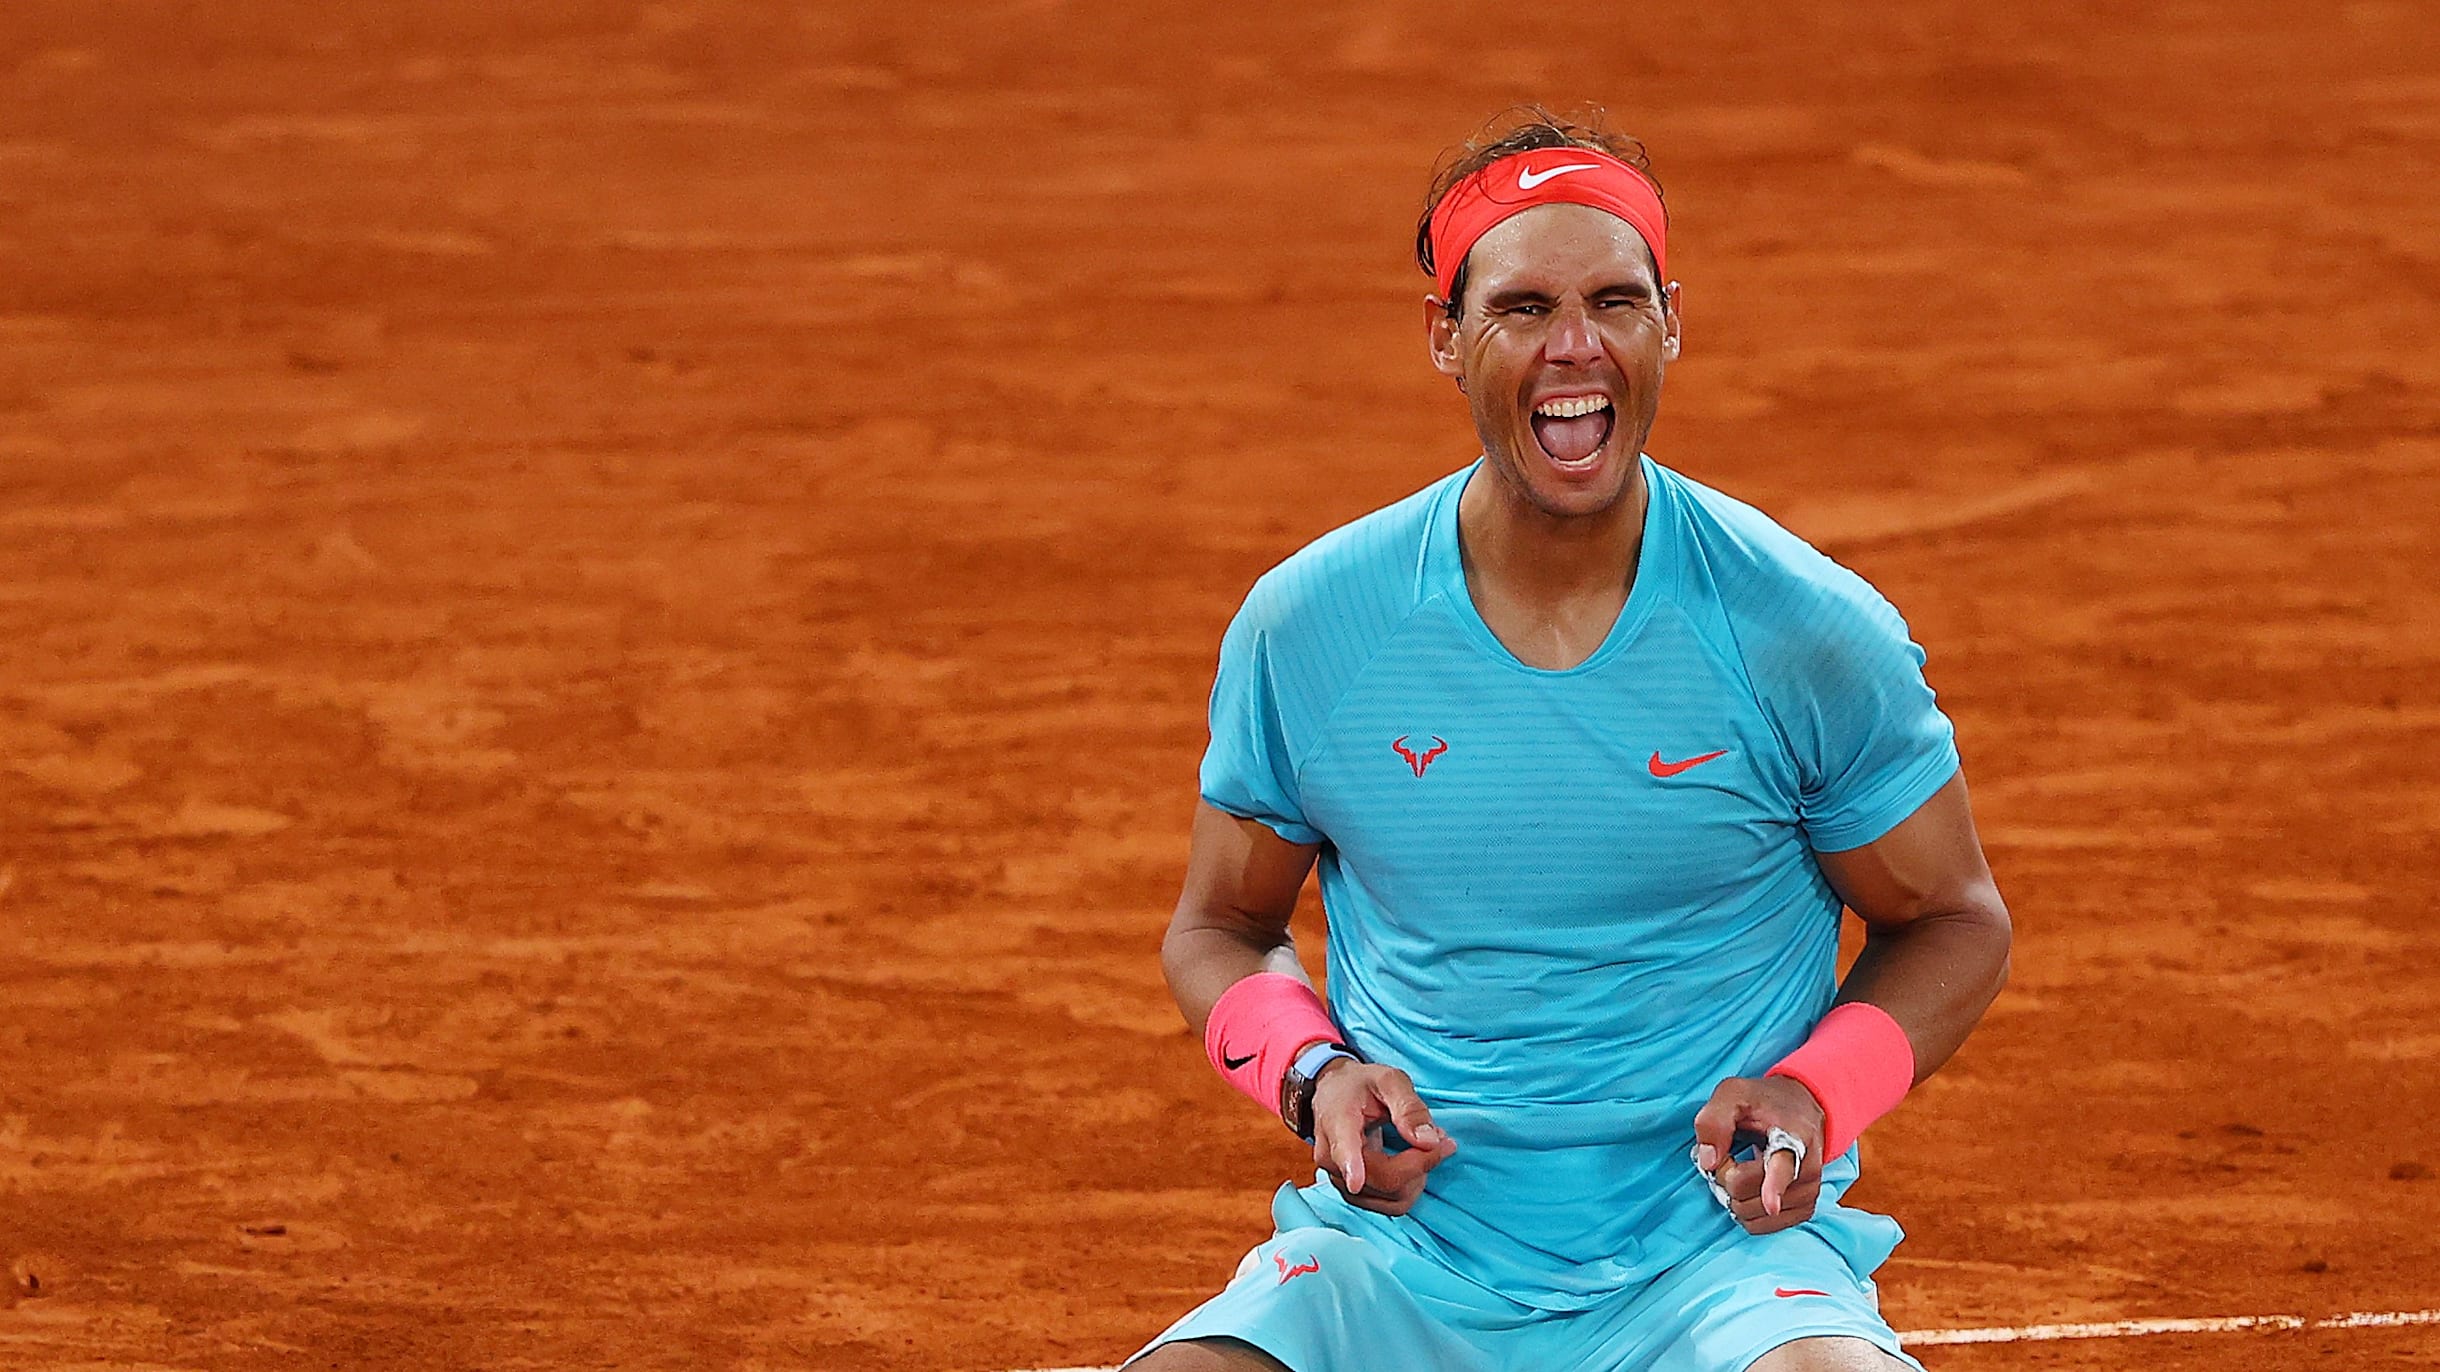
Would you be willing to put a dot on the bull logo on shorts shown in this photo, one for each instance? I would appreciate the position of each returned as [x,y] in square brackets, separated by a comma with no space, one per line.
[1287,1273]
[1421,760]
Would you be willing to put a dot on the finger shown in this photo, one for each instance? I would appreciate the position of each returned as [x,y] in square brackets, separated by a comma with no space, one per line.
[1795,1207]
[1342,1136]
[1715,1125]
[1741,1180]
[1437,1151]
[1778,1173]
[1392,1172]
[1394,1199]
[1772,1224]
[1775,1224]
[1815,1158]
[1386,1205]
[1407,1111]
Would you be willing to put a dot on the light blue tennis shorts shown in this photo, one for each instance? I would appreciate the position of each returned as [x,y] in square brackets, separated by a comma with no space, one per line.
[1320,1299]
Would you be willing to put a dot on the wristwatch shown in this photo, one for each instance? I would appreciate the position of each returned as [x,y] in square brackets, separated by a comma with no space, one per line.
[1296,1088]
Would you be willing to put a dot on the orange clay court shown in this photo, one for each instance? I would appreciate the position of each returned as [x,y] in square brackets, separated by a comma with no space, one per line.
[605,610]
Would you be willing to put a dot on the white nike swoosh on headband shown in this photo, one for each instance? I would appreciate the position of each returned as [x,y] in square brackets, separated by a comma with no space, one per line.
[1528,180]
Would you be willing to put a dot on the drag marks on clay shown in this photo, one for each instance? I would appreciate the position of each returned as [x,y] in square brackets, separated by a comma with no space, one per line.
[1838,524]
[166,955]
[355,434]
[2070,838]
[197,818]
[64,518]
[1949,172]
[431,724]
[89,775]
[400,136]
[443,243]
[320,1030]
[2405,1047]
[2226,1209]
[2252,395]
[192,1081]
[1980,1292]
[32,1159]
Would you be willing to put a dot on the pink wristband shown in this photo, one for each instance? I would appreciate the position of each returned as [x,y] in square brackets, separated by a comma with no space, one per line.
[1257,1028]
[1858,1064]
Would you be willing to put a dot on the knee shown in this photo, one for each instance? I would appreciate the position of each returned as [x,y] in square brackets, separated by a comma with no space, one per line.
[1206,1355]
[1827,1355]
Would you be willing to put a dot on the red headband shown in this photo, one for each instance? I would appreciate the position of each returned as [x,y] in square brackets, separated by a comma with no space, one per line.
[1545,176]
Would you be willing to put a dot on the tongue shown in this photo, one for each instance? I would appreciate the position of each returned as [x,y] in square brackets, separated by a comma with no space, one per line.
[1572,440]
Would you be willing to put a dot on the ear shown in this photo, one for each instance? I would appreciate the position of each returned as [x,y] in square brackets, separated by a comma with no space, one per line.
[1673,322]
[1440,336]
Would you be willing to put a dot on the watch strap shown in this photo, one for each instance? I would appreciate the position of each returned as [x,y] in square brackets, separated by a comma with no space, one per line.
[1296,1088]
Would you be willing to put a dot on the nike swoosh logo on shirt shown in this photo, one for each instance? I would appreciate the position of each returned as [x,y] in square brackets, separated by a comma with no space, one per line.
[1670,769]
[1527,180]
[1233,1064]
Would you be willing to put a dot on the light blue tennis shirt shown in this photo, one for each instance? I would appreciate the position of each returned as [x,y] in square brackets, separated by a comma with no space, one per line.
[1570,903]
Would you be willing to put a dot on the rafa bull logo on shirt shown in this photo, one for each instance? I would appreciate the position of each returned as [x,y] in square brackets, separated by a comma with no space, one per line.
[1419,761]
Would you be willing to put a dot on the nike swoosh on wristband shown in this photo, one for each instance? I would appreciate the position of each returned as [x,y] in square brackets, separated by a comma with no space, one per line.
[1527,180]
[1233,1064]
[1659,768]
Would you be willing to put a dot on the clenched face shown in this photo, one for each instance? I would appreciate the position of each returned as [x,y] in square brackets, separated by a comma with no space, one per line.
[1560,349]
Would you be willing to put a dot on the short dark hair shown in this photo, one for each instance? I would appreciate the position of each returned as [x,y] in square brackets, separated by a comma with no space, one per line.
[1519,128]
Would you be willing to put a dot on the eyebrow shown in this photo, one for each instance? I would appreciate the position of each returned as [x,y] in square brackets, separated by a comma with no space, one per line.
[1529,295]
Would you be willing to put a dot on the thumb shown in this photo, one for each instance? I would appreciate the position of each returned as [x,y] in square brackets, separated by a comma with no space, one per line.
[1411,1115]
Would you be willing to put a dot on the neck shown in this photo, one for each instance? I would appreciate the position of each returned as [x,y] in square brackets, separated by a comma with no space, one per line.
[1535,557]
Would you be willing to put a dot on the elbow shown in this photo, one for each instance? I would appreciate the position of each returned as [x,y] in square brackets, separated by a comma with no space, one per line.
[1173,966]
[1175,941]
[1198,932]
[2000,930]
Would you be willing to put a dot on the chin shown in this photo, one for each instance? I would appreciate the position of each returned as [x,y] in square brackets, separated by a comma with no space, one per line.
[1563,492]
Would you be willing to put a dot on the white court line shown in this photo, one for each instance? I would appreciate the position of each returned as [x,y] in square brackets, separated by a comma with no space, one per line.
[2114,1329]
[2122,1329]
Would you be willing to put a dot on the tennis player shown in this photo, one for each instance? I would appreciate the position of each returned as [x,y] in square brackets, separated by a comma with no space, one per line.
[1590,756]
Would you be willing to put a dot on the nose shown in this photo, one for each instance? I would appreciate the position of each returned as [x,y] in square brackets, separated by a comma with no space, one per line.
[1571,338]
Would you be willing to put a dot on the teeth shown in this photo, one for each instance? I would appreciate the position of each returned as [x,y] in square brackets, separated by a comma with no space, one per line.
[1572,407]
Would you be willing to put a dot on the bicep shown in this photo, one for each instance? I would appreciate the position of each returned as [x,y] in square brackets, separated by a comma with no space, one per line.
[1241,876]
[1930,864]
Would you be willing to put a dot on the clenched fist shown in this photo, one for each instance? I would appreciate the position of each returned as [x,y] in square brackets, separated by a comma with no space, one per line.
[1772,1192]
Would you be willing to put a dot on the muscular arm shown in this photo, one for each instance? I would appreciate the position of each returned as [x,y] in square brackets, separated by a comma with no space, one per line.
[1232,919]
[1935,955]
[1231,922]
[1936,933]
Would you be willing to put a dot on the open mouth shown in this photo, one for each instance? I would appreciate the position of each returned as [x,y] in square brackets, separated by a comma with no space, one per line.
[1574,429]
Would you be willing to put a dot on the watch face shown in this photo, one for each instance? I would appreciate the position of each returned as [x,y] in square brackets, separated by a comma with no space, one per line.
[1296,1104]
[1296,1087]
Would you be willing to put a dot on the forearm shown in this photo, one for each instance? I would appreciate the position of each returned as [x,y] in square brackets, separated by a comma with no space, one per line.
[1934,975]
[1231,922]
[1201,961]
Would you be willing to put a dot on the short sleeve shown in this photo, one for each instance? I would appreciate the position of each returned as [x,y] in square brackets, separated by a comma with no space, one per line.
[1870,744]
[1248,770]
